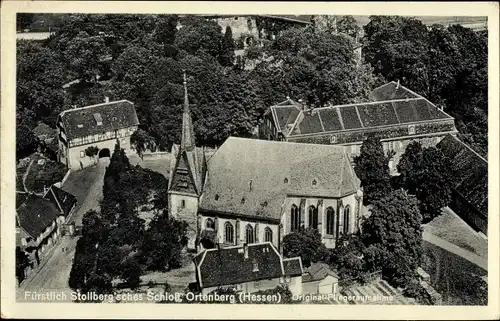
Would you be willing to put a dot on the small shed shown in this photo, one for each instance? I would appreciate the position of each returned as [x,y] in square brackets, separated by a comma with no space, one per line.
[319,278]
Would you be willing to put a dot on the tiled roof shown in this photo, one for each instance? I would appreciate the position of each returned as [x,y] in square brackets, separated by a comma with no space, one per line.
[250,177]
[80,122]
[64,200]
[36,214]
[470,172]
[318,271]
[227,266]
[305,19]
[393,106]
[293,266]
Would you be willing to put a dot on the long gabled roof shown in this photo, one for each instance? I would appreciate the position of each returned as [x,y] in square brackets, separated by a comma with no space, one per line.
[394,105]
[469,172]
[227,266]
[251,177]
[96,119]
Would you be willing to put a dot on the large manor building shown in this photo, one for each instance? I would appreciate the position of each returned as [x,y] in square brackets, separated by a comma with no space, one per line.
[99,126]
[396,115]
[254,191]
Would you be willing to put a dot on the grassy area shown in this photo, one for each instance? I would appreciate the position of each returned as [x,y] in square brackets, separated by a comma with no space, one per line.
[454,277]
[44,174]
[453,229]
[178,279]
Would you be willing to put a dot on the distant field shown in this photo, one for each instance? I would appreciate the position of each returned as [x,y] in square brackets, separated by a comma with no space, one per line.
[472,21]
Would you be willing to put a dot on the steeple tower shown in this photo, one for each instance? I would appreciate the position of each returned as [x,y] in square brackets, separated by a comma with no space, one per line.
[187,139]
[187,174]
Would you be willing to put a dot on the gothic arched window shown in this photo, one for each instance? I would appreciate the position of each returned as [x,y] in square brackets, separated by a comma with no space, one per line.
[330,221]
[210,224]
[250,236]
[268,235]
[313,217]
[229,233]
[347,213]
[294,218]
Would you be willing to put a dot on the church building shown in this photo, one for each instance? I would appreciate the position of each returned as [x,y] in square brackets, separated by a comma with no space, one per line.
[254,191]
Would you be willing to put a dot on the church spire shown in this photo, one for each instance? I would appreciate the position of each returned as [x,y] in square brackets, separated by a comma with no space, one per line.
[187,139]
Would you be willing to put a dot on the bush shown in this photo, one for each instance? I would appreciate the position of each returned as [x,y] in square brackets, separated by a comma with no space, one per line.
[417,291]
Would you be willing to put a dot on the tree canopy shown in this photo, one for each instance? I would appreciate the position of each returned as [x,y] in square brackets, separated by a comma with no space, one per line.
[392,236]
[307,244]
[446,65]
[372,168]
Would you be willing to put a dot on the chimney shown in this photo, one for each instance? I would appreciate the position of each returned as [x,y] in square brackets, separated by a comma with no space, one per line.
[106,99]
[397,86]
[245,250]
[250,185]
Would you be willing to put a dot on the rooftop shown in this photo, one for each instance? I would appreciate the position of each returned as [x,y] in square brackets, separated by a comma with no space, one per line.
[394,105]
[227,266]
[36,214]
[470,172]
[251,177]
[96,119]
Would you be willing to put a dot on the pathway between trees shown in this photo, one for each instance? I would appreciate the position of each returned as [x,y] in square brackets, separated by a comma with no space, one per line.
[469,256]
[26,175]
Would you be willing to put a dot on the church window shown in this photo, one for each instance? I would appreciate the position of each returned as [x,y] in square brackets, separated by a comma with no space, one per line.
[285,181]
[313,217]
[411,130]
[347,212]
[333,139]
[216,197]
[229,233]
[295,218]
[314,182]
[183,203]
[330,221]
[82,154]
[268,235]
[210,224]
[243,200]
[250,237]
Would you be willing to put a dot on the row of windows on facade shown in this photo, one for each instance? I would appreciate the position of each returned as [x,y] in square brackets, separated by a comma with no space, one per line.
[250,236]
[332,220]
[332,224]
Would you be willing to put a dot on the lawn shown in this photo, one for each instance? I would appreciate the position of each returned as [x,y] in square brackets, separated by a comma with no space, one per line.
[44,173]
[453,229]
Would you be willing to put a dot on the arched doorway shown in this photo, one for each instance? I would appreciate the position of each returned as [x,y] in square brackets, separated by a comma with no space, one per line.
[104,153]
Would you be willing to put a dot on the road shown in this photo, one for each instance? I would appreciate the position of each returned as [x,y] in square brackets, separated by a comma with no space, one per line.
[54,270]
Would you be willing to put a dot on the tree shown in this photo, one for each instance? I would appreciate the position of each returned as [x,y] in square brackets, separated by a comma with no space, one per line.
[141,142]
[409,167]
[348,259]
[318,67]
[372,168]
[163,242]
[85,54]
[226,56]
[24,20]
[307,244]
[392,235]
[424,173]
[26,142]
[92,152]
[198,34]
[348,25]
[131,272]
[434,188]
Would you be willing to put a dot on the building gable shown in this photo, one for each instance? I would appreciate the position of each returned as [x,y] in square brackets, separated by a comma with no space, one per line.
[182,178]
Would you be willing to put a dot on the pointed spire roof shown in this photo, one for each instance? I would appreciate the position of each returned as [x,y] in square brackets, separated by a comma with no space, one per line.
[187,139]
